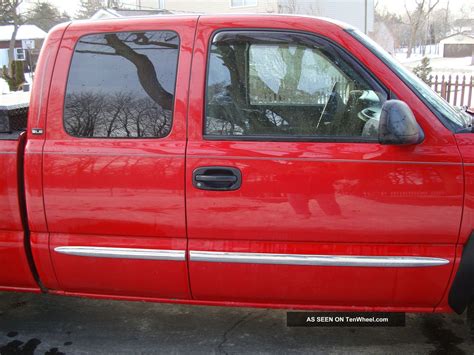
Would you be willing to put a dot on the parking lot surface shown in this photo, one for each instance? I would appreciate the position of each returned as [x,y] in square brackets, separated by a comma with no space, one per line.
[43,324]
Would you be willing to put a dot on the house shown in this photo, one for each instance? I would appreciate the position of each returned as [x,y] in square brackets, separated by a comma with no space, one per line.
[143,4]
[113,13]
[29,40]
[458,45]
[359,13]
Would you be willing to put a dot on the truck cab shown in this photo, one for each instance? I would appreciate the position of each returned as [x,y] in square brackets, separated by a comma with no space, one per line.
[271,161]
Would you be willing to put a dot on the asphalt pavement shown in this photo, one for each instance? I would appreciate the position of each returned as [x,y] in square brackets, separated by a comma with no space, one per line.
[45,324]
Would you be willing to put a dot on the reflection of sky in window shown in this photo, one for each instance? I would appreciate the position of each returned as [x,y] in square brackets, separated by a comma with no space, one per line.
[112,74]
[218,72]
[316,73]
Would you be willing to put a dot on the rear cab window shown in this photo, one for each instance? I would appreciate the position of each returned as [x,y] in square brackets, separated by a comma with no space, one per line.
[122,85]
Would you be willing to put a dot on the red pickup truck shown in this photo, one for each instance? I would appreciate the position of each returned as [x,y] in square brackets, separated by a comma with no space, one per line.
[274,161]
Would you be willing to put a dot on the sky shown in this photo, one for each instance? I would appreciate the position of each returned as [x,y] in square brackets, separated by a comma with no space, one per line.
[398,6]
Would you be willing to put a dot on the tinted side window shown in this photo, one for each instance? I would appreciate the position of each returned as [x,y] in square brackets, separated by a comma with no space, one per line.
[287,85]
[122,85]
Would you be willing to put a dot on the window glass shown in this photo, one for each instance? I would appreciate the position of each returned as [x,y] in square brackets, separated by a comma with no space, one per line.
[238,3]
[279,85]
[121,85]
[456,119]
[276,75]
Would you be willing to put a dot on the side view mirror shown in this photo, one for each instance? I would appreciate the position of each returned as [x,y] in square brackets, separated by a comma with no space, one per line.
[398,124]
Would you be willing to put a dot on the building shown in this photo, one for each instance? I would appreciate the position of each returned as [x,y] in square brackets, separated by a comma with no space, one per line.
[143,4]
[114,13]
[359,13]
[458,45]
[29,40]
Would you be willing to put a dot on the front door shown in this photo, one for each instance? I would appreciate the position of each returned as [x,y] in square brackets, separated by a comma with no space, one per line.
[290,197]
[114,158]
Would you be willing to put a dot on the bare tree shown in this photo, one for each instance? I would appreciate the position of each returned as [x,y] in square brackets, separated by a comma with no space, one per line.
[417,18]
[298,7]
[45,15]
[145,69]
[289,7]
[114,4]
[87,8]
[9,16]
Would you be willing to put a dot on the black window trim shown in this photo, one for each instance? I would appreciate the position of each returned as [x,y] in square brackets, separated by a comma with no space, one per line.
[115,32]
[359,67]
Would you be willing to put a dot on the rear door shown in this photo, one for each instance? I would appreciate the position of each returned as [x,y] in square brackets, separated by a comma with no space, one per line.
[290,197]
[113,165]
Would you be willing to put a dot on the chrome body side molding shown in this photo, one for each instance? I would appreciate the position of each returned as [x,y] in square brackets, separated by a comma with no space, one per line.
[253,258]
[123,253]
[316,260]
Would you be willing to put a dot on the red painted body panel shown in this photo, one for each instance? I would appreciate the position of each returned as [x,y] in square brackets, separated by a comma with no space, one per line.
[14,271]
[14,268]
[466,147]
[443,306]
[37,119]
[138,278]
[33,159]
[10,218]
[122,191]
[370,197]
[330,286]
[42,259]
[323,196]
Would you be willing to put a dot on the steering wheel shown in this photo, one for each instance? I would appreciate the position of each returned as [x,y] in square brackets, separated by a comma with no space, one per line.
[330,104]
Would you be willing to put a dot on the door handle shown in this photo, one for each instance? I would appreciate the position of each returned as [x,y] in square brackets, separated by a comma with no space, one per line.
[218,178]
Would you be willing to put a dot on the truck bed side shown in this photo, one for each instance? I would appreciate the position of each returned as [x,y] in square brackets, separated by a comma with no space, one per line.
[18,271]
[15,272]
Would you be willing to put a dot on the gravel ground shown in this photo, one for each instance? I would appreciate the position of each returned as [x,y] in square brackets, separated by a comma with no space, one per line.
[43,324]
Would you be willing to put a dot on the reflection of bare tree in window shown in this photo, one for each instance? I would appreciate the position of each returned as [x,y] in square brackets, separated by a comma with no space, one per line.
[116,106]
[83,112]
[145,69]
[96,103]
[117,115]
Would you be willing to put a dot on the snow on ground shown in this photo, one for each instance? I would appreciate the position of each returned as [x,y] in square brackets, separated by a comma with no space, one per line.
[446,66]
[439,65]
[14,100]
[4,89]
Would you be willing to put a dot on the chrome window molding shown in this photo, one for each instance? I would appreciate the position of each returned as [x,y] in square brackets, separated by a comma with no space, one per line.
[123,253]
[316,260]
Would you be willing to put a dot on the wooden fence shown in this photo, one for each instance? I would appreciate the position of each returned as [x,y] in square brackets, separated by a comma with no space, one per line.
[456,89]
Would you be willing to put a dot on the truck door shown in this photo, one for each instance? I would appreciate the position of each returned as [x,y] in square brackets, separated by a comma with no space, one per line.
[290,197]
[113,165]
